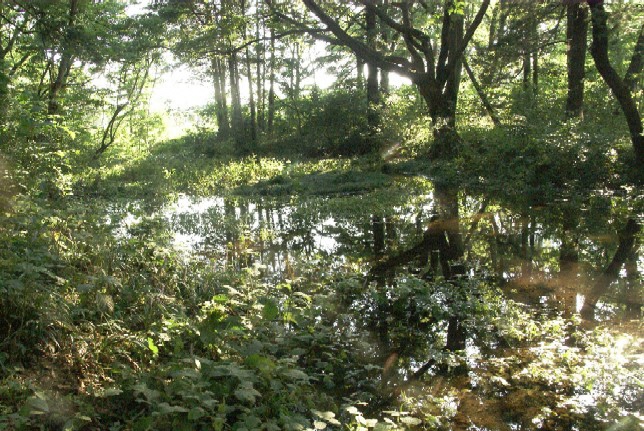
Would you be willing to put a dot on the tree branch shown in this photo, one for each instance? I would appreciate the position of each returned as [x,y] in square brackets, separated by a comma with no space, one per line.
[466,39]
[359,48]
[479,90]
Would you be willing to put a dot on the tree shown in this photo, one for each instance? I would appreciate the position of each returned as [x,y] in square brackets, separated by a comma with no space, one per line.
[435,74]
[599,52]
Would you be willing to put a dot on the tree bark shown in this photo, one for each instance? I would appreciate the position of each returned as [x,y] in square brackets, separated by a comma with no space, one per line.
[271,86]
[251,100]
[221,108]
[373,91]
[436,77]
[454,78]
[576,36]
[599,52]
[237,119]
[378,228]
[260,71]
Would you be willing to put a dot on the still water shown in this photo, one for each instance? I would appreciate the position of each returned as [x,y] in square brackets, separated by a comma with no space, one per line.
[526,363]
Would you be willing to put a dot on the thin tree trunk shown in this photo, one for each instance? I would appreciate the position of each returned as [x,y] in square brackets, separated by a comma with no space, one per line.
[261,51]
[527,69]
[373,91]
[479,90]
[378,228]
[535,69]
[297,84]
[386,38]
[599,51]
[238,120]
[251,100]
[221,110]
[224,94]
[109,134]
[271,86]
[576,35]
[493,24]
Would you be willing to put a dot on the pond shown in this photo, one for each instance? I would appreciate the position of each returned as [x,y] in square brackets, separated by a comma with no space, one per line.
[526,360]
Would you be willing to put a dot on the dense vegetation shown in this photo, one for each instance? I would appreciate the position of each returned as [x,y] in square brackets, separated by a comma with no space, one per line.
[455,251]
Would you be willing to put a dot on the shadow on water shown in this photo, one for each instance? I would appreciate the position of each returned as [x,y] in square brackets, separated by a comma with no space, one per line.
[461,306]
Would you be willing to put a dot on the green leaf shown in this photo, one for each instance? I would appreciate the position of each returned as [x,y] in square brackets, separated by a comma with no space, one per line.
[259,362]
[408,420]
[37,404]
[221,299]
[247,394]
[196,413]
[296,374]
[327,416]
[270,310]
[150,394]
[352,410]
[111,392]
[153,347]
[165,408]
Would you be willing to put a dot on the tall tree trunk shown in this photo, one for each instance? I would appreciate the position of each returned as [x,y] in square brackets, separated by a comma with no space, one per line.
[530,51]
[261,51]
[224,94]
[251,100]
[576,36]
[373,91]
[221,108]
[297,62]
[442,102]
[378,228]
[535,68]
[527,68]
[237,119]
[271,86]
[386,40]
[493,23]
[599,51]
[454,80]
